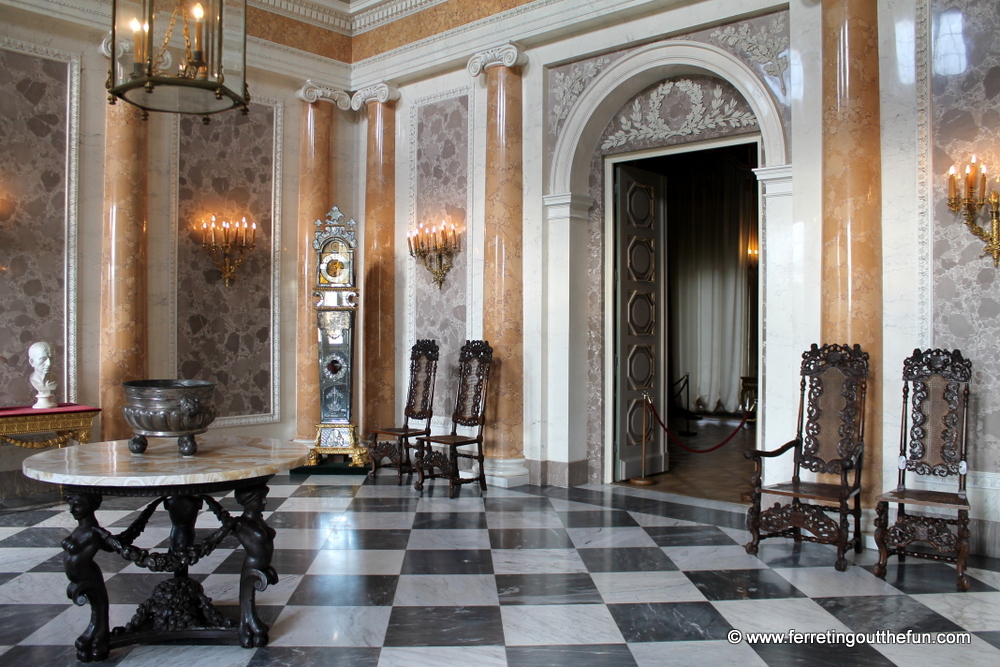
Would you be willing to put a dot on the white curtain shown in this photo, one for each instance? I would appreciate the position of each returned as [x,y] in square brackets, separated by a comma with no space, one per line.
[712,225]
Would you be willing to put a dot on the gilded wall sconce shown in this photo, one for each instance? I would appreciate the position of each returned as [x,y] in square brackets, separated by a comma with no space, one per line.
[228,243]
[968,199]
[435,247]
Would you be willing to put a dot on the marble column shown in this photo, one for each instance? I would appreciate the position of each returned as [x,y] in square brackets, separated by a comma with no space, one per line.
[503,316]
[378,299]
[316,198]
[852,202]
[123,282]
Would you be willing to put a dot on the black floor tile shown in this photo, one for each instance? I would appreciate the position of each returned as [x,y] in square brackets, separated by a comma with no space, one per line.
[588,655]
[345,590]
[129,588]
[628,559]
[36,537]
[445,626]
[26,518]
[530,538]
[689,536]
[449,520]
[383,505]
[781,553]
[821,655]
[315,656]
[368,539]
[990,637]
[284,561]
[669,621]
[742,584]
[894,613]
[598,519]
[452,561]
[18,621]
[57,656]
[514,504]
[314,491]
[554,588]
[303,520]
[916,577]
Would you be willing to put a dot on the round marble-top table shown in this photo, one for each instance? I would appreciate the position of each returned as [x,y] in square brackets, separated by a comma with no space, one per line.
[178,608]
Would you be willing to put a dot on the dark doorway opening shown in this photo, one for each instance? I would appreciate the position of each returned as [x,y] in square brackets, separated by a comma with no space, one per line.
[709,323]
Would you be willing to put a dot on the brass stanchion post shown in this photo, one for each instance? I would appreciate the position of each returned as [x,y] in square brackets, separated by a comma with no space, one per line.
[643,480]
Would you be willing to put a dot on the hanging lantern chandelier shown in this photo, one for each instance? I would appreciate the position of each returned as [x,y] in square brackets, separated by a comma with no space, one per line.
[179,56]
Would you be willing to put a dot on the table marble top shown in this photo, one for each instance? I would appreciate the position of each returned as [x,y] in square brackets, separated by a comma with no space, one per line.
[220,458]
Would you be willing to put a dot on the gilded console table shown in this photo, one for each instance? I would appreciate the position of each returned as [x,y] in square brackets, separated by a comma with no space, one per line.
[178,608]
[67,420]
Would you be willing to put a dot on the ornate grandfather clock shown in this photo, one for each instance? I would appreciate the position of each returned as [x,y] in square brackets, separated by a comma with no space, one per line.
[336,309]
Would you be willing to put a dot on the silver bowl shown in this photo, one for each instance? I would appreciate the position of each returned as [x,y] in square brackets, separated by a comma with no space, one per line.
[168,408]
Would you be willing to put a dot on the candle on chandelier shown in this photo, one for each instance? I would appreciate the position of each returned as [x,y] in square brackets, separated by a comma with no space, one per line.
[137,40]
[198,13]
[213,230]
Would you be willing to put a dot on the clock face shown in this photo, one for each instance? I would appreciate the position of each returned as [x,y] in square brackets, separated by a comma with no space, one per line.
[335,264]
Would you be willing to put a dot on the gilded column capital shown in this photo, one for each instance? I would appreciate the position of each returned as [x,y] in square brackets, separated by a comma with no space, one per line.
[508,55]
[380,92]
[313,92]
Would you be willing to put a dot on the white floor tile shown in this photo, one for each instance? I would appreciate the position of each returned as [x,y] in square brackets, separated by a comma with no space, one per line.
[357,561]
[454,590]
[542,625]
[331,626]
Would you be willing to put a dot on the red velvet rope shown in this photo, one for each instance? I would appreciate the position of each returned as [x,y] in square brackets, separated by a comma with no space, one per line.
[746,415]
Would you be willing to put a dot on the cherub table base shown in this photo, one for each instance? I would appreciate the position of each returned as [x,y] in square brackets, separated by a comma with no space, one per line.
[177,608]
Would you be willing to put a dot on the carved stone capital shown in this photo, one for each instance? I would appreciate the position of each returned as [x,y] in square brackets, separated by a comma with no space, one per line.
[508,55]
[314,92]
[380,92]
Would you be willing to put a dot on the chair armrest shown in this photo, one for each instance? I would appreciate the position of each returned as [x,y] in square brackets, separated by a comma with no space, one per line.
[760,453]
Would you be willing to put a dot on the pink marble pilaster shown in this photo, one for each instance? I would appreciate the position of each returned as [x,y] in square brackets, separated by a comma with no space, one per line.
[123,286]
[315,199]
[503,289]
[852,202]
[378,299]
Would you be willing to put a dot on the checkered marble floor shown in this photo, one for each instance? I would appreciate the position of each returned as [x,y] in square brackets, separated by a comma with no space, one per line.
[376,574]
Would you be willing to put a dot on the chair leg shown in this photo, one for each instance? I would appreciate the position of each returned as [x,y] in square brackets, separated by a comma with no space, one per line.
[453,470]
[373,441]
[881,528]
[842,537]
[482,470]
[963,549]
[404,459]
[419,485]
[859,544]
[753,514]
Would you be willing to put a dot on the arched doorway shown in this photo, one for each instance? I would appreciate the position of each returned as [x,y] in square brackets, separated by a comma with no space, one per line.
[576,354]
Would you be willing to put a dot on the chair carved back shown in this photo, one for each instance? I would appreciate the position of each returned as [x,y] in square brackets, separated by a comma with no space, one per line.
[423,369]
[935,442]
[474,361]
[831,430]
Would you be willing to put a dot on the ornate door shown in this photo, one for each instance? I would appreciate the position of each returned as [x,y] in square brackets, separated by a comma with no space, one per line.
[640,351]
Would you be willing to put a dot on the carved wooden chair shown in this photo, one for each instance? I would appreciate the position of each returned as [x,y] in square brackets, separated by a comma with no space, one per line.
[932,444]
[830,439]
[419,407]
[474,361]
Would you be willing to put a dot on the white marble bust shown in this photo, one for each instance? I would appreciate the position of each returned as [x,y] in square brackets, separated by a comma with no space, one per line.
[40,356]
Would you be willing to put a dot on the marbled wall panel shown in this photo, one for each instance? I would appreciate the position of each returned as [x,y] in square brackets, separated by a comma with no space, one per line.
[678,110]
[441,168]
[227,334]
[34,124]
[761,43]
[965,101]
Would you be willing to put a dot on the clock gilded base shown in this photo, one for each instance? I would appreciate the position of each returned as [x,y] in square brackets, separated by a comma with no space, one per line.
[338,439]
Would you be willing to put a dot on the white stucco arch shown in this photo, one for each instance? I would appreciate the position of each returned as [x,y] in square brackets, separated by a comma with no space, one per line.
[566,209]
[630,75]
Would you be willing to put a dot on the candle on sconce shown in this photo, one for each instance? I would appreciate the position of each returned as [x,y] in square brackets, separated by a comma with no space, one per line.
[454,241]
[213,230]
[982,182]
[952,186]
[253,233]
